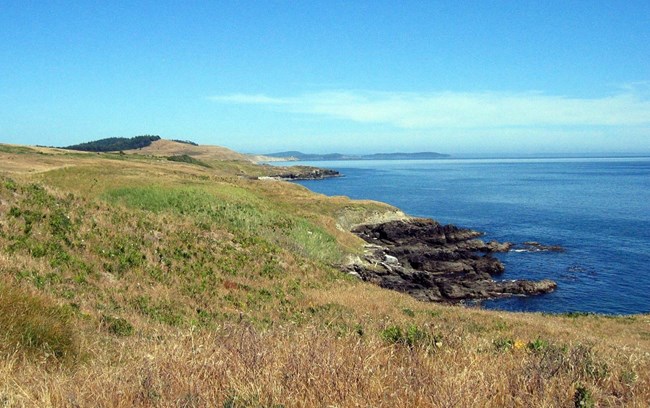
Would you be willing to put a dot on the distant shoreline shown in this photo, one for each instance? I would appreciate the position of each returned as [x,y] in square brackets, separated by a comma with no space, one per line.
[482,158]
[291,156]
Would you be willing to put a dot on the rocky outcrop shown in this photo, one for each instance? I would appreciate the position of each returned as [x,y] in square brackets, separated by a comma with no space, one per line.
[436,262]
[532,246]
[300,173]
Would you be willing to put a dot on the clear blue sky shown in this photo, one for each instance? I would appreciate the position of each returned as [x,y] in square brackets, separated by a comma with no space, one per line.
[322,76]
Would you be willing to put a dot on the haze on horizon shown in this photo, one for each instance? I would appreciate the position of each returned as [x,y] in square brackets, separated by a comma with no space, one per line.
[331,76]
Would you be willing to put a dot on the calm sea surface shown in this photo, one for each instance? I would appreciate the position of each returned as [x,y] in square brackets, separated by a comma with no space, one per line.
[597,209]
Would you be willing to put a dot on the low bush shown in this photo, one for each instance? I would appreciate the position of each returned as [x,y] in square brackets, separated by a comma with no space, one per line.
[32,325]
[411,336]
[117,325]
[583,398]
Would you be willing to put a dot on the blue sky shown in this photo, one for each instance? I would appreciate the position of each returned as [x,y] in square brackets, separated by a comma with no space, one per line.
[323,76]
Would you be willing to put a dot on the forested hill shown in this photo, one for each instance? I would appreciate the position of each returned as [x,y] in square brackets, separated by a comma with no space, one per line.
[113,144]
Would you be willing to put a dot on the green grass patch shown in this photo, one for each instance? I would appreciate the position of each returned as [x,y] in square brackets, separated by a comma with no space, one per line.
[410,336]
[157,199]
[117,325]
[15,149]
[184,158]
[239,212]
[162,311]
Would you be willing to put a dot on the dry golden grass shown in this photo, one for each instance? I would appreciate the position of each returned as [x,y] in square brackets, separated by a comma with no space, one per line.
[182,286]
[239,365]
[164,147]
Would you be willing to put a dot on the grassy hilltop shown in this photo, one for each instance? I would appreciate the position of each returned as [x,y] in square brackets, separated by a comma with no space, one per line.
[134,280]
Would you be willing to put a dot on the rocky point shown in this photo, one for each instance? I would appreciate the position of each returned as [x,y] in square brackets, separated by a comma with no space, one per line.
[435,262]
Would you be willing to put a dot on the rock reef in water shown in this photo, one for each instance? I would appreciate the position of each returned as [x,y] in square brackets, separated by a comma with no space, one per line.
[532,246]
[439,263]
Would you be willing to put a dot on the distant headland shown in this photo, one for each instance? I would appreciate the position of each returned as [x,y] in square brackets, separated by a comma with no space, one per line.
[299,156]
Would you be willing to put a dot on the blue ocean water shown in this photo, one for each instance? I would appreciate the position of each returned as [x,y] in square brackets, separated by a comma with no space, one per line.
[598,209]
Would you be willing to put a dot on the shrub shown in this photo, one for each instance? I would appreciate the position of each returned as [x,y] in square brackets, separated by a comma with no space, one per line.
[582,397]
[538,345]
[117,325]
[34,326]
[392,334]
[411,336]
[10,185]
[408,312]
[503,344]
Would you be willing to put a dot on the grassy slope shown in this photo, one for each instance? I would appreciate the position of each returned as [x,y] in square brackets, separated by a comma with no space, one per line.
[137,281]
[165,147]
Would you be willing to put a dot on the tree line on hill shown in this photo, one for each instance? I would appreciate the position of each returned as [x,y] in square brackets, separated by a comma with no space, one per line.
[113,144]
[189,142]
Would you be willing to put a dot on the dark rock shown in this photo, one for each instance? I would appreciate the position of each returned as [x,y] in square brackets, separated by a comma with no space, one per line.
[494,246]
[414,232]
[436,262]
[301,173]
[533,246]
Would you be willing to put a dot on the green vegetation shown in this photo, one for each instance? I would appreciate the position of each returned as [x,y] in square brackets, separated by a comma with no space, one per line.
[583,397]
[114,144]
[250,217]
[117,325]
[411,336]
[15,149]
[184,158]
[189,142]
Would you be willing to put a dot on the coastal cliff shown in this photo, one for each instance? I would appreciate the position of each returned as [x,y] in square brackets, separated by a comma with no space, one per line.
[436,263]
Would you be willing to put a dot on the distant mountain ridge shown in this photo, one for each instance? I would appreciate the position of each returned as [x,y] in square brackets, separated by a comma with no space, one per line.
[299,156]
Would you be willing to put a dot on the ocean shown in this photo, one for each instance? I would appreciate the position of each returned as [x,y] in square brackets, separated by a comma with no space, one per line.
[597,209]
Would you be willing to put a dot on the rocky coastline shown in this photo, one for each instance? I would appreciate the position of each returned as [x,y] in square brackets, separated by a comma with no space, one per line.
[293,173]
[437,263]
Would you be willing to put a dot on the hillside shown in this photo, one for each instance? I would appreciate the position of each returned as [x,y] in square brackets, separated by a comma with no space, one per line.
[156,146]
[165,147]
[132,280]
